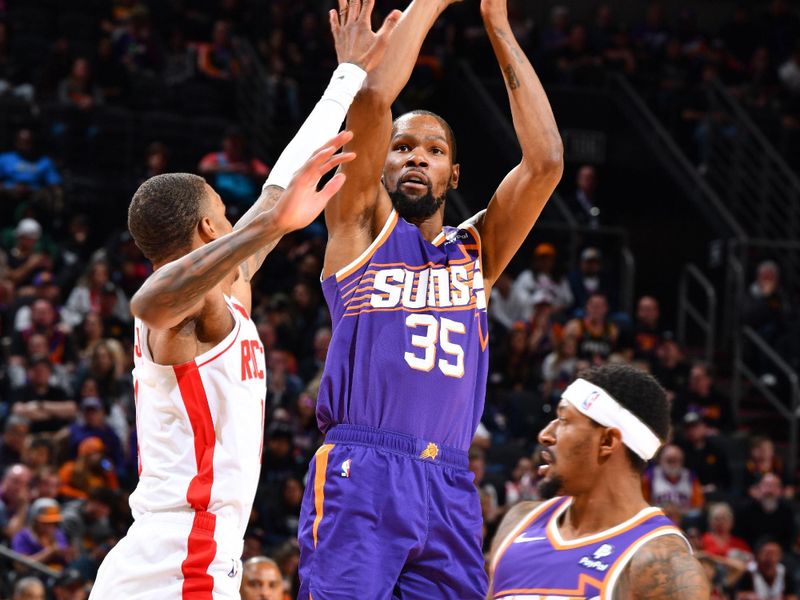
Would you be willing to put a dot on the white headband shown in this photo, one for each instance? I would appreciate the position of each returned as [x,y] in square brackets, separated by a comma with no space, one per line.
[600,406]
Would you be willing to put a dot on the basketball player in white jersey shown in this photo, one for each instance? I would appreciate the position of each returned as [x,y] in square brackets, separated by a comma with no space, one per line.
[199,376]
[596,537]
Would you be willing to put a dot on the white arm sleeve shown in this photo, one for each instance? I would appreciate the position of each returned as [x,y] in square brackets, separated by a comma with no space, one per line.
[321,125]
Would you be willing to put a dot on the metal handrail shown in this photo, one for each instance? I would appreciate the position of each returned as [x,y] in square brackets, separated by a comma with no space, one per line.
[707,322]
[791,414]
[744,119]
[26,561]
[688,176]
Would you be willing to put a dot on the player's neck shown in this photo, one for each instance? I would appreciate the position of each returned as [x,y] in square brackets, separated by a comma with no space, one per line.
[431,227]
[613,500]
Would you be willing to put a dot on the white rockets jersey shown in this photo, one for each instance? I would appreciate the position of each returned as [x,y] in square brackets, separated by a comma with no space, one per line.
[200,427]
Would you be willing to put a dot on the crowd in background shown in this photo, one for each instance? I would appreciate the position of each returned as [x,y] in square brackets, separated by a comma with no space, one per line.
[68,449]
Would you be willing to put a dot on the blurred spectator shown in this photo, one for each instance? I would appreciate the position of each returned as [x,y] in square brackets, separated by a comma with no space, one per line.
[647,331]
[45,483]
[705,456]
[719,540]
[12,444]
[109,77]
[107,369]
[45,321]
[261,580]
[38,453]
[767,577]
[217,60]
[761,459]
[137,45]
[93,424]
[576,63]
[28,588]
[13,79]
[233,172]
[279,461]
[26,175]
[14,500]
[180,61]
[43,539]
[583,204]
[311,366]
[595,335]
[87,296]
[46,406]
[766,306]
[91,470]
[522,486]
[559,369]
[543,275]
[70,586]
[590,278]
[284,512]
[87,525]
[671,370]
[27,258]
[156,160]
[78,89]
[284,386]
[767,514]
[509,303]
[487,491]
[702,398]
[512,366]
[556,36]
[669,481]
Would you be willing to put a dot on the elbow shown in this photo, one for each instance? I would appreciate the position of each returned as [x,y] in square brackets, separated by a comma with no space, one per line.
[548,163]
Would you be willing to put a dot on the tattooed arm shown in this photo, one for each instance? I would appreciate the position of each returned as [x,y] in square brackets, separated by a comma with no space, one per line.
[522,195]
[177,291]
[266,202]
[663,569]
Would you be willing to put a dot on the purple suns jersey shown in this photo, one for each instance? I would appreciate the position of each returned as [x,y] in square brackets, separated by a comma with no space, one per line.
[533,562]
[408,351]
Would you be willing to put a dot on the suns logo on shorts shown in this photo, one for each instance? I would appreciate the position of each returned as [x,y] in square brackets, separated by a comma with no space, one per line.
[431,451]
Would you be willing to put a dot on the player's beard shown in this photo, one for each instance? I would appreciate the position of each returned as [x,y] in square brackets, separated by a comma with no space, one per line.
[416,209]
[550,487]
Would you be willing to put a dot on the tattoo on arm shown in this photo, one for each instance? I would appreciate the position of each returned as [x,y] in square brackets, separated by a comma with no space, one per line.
[179,286]
[510,42]
[511,76]
[268,199]
[663,569]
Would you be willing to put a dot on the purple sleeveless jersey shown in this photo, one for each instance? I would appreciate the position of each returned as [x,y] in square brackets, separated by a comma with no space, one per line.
[534,563]
[408,352]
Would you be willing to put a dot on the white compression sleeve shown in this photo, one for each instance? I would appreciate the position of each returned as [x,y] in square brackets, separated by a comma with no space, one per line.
[321,125]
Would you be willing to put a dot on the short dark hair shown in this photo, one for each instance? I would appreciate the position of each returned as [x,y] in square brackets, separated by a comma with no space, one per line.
[451,137]
[637,391]
[164,212]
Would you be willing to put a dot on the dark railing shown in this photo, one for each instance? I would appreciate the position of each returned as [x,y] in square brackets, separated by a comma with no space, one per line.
[703,318]
[766,357]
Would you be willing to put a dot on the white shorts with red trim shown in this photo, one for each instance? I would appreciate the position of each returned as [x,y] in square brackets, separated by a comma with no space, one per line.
[168,556]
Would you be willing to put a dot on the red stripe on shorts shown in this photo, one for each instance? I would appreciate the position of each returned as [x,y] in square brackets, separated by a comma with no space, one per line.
[197,583]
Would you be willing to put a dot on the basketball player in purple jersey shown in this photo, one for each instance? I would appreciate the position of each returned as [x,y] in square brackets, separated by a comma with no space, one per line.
[599,539]
[391,510]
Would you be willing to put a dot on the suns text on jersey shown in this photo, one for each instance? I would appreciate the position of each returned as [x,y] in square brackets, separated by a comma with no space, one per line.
[433,287]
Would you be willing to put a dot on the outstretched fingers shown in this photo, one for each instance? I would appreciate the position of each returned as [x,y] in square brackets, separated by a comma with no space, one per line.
[389,24]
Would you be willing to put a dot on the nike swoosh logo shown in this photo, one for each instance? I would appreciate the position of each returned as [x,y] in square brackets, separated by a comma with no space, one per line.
[523,538]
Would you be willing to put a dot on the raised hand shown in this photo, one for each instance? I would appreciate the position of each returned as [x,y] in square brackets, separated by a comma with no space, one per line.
[352,33]
[301,203]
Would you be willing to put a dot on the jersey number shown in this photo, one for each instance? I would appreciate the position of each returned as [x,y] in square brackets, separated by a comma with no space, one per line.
[436,330]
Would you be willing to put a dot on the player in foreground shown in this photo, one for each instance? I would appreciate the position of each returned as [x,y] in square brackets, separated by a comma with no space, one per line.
[199,376]
[598,539]
[391,509]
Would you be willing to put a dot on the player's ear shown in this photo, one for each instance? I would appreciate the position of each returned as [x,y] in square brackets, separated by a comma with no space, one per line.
[610,441]
[206,230]
[455,175]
